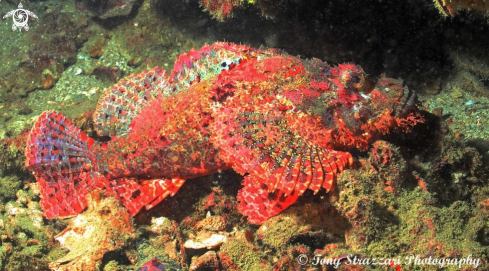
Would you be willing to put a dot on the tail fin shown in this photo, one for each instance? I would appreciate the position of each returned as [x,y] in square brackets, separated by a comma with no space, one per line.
[59,154]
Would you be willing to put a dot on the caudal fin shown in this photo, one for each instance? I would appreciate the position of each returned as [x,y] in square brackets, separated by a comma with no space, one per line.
[60,157]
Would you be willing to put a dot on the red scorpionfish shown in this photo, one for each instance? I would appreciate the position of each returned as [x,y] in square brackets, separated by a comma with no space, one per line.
[277,119]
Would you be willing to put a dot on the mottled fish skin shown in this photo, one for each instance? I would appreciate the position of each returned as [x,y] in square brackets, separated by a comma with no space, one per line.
[283,121]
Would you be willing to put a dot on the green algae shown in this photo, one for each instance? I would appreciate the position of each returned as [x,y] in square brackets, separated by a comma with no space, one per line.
[412,221]
[281,231]
[243,255]
[11,157]
[9,185]
[310,221]
[154,248]
[27,243]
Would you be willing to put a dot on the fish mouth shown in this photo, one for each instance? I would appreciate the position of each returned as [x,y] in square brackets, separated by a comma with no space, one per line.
[407,103]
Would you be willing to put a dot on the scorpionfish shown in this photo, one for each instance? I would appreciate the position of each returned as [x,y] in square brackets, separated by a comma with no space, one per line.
[283,122]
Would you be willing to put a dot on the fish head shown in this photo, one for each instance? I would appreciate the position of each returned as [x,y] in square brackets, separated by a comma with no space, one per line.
[356,111]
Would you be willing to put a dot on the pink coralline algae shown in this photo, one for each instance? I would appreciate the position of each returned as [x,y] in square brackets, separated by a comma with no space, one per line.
[283,121]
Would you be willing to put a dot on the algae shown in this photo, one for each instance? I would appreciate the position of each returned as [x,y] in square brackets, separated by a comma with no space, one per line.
[243,255]
[9,185]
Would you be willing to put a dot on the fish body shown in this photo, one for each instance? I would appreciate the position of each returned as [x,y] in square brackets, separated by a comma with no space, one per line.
[282,121]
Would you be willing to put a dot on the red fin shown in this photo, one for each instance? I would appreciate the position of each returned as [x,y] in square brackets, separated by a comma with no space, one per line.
[211,60]
[122,102]
[60,156]
[262,144]
[259,205]
[136,194]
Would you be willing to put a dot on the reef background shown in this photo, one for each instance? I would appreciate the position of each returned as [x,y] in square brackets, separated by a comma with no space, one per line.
[425,192]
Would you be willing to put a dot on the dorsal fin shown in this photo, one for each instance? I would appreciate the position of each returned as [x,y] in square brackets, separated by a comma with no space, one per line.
[122,102]
[210,60]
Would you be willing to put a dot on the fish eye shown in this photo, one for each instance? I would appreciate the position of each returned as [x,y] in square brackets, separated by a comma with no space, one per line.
[356,80]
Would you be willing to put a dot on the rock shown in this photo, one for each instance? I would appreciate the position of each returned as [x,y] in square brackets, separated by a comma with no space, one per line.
[160,224]
[208,261]
[207,240]
[212,223]
[108,8]
[105,226]
[107,74]
[310,220]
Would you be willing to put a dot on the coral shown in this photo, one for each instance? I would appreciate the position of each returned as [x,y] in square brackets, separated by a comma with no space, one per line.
[149,39]
[277,117]
[451,231]
[105,226]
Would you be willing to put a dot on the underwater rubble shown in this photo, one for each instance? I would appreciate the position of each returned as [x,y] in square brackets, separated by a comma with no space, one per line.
[423,192]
